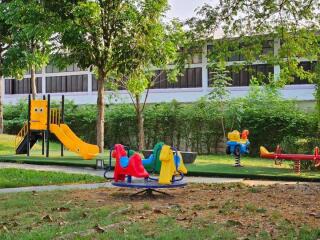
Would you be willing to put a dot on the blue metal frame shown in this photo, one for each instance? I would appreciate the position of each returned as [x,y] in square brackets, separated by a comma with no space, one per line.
[149,185]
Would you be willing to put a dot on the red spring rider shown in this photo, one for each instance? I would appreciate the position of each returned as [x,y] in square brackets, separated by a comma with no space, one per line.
[127,166]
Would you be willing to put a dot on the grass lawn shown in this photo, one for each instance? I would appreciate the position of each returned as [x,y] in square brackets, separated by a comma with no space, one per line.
[223,165]
[11,177]
[7,153]
[214,165]
[229,211]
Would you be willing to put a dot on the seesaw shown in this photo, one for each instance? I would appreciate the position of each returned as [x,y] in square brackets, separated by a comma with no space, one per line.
[129,171]
[297,158]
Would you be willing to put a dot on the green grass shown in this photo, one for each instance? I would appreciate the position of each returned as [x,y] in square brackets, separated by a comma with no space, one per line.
[11,178]
[6,144]
[211,165]
[223,165]
[25,222]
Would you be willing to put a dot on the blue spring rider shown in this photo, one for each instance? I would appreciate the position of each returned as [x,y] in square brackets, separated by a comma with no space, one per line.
[237,145]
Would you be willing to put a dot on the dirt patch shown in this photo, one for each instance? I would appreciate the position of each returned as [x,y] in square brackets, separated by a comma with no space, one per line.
[248,209]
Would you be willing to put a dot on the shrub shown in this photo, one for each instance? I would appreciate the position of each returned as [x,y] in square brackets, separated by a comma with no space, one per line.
[196,127]
[272,119]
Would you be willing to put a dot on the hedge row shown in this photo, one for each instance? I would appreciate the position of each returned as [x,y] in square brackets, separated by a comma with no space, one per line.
[195,127]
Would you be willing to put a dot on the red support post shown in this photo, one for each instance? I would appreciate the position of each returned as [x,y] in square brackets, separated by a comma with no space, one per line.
[297,166]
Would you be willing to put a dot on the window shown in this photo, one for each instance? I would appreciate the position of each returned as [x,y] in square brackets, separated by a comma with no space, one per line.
[94,83]
[77,83]
[194,55]
[191,78]
[307,66]
[242,77]
[13,86]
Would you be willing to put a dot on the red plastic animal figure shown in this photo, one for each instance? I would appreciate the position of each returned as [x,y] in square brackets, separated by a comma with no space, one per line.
[126,166]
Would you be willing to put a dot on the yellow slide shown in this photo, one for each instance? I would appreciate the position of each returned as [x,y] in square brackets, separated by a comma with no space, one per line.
[91,148]
[74,144]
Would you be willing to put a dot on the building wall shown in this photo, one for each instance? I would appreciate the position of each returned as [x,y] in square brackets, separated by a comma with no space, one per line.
[81,86]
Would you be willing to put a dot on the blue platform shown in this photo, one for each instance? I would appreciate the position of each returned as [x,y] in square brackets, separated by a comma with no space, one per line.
[149,185]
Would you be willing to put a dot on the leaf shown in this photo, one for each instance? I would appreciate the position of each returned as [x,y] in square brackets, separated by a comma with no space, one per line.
[313,214]
[182,218]
[157,211]
[4,228]
[61,209]
[34,193]
[233,223]
[47,218]
[99,229]
[62,223]
[85,214]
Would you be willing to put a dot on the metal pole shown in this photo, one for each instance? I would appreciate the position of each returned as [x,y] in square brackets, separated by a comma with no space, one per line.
[28,134]
[43,132]
[43,141]
[62,119]
[48,126]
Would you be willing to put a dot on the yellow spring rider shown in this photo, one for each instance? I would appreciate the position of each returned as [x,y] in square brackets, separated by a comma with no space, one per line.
[171,165]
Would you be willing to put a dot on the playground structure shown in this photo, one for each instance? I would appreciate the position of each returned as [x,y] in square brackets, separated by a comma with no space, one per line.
[44,121]
[278,157]
[129,165]
[238,145]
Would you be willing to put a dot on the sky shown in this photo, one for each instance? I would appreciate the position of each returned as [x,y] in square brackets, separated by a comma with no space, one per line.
[184,9]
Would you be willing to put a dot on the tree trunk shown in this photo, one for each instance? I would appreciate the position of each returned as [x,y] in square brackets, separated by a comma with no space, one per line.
[33,82]
[1,104]
[140,123]
[101,110]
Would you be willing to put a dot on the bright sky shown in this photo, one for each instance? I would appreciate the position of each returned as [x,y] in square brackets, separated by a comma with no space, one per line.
[184,9]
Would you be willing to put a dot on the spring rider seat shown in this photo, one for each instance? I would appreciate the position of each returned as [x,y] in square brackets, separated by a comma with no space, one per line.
[237,145]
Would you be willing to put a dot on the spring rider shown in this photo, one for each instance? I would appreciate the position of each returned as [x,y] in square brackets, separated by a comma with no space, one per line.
[237,145]
[130,172]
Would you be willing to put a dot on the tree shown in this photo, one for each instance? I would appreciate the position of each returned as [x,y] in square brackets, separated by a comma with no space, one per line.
[247,25]
[33,31]
[158,48]
[5,44]
[220,93]
[95,36]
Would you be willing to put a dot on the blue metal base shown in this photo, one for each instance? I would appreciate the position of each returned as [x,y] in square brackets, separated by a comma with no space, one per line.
[149,185]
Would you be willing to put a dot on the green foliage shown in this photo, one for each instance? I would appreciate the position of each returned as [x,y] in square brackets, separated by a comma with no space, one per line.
[15,116]
[293,23]
[32,40]
[197,126]
[271,119]
[220,81]
[156,46]
[220,93]
[5,35]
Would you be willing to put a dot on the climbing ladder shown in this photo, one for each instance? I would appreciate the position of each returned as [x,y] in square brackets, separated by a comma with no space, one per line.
[21,141]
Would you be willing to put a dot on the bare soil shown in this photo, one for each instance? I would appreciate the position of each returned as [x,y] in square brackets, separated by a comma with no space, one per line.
[249,210]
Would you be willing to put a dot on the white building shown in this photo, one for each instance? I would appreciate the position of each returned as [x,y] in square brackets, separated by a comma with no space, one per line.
[81,86]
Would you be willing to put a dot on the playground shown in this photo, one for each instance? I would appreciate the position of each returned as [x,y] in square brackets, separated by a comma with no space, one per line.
[205,165]
[142,195]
